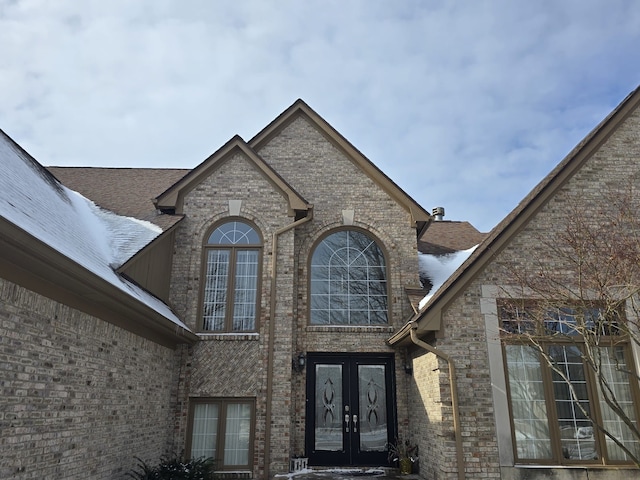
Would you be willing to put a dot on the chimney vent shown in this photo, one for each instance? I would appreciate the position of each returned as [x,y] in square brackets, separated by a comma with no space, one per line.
[438,213]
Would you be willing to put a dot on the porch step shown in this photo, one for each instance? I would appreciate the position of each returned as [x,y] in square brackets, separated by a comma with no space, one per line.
[355,471]
[349,473]
[241,475]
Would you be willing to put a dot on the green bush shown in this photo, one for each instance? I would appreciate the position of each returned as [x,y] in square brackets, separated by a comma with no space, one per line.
[172,467]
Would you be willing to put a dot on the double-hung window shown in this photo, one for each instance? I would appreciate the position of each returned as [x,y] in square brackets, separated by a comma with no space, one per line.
[222,428]
[559,383]
[348,280]
[231,270]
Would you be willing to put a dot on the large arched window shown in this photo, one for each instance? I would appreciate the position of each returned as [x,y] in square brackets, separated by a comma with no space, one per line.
[232,262]
[348,281]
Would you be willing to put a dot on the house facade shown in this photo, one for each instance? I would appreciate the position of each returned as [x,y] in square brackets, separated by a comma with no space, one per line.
[320,282]
[263,306]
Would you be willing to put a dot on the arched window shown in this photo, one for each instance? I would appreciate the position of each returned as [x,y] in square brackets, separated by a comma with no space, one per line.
[348,281]
[230,297]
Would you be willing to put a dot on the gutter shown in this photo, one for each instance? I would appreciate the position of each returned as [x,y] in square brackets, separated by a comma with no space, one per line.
[272,328]
[454,395]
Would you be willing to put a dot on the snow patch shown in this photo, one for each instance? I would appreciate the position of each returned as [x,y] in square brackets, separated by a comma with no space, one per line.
[438,268]
[331,473]
[118,237]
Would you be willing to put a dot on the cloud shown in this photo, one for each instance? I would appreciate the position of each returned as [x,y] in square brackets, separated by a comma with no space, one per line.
[465,105]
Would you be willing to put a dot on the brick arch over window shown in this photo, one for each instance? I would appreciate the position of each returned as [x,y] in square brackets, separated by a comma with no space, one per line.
[232,260]
[348,273]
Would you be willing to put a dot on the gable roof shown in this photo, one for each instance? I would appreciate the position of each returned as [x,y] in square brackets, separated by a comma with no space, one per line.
[429,318]
[172,198]
[419,215]
[59,244]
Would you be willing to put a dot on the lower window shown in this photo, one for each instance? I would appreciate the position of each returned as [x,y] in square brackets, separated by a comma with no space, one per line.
[222,428]
[552,408]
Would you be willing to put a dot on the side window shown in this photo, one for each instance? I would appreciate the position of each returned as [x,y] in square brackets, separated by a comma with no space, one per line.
[222,429]
[348,281]
[559,383]
[232,260]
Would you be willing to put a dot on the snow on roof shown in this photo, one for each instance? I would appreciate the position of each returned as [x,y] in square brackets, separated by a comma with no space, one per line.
[438,268]
[96,239]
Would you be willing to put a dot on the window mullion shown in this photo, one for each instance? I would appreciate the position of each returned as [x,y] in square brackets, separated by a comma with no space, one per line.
[550,400]
[231,290]
[222,422]
[594,411]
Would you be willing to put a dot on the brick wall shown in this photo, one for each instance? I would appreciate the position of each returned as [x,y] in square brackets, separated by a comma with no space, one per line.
[230,365]
[430,420]
[614,167]
[80,397]
[465,341]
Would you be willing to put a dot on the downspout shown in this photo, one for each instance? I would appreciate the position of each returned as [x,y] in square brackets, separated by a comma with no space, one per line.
[454,395]
[272,328]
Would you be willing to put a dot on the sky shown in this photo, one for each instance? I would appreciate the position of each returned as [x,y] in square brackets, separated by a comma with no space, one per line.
[464,104]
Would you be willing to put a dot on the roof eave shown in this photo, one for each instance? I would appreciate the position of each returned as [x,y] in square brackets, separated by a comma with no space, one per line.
[28,262]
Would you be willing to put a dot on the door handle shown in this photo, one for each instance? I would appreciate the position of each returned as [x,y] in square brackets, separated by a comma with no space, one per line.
[346,422]
[355,424]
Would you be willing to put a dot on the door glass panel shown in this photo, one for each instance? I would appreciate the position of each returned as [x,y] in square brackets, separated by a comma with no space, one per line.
[328,421]
[373,408]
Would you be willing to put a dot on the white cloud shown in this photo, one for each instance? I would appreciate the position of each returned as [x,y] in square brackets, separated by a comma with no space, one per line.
[466,105]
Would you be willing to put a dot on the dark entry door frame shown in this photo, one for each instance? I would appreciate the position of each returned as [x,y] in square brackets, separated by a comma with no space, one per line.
[350,408]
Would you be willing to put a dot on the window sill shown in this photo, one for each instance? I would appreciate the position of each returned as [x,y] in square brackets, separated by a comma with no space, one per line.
[228,336]
[350,328]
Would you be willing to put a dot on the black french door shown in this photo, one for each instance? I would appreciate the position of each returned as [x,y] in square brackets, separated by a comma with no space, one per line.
[350,409]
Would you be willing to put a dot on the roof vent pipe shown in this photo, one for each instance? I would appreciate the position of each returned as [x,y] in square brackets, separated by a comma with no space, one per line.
[438,213]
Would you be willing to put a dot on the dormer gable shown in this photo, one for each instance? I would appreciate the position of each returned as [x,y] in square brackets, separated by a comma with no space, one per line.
[171,200]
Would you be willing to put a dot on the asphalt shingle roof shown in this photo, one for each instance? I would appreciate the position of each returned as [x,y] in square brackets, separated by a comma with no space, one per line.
[125,191]
[445,236]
